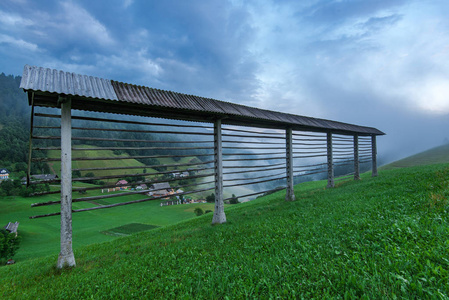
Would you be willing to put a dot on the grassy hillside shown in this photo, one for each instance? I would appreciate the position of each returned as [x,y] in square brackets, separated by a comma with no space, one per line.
[383,237]
[56,166]
[437,155]
[40,237]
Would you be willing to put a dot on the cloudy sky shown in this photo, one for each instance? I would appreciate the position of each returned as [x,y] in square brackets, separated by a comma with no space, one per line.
[378,63]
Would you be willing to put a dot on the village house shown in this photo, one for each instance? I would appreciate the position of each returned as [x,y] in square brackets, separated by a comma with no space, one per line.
[121,185]
[180,174]
[161,189]
[4,174]
[142,186]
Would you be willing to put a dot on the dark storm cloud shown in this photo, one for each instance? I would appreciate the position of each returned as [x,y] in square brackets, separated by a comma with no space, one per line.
[382,63]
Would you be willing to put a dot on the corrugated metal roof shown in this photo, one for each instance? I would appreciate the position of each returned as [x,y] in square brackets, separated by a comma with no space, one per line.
[47,82]
[60,82]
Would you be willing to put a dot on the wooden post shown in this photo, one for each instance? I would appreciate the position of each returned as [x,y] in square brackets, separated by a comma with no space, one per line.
[219,214]
[66,257]
[330,162]
[290,193]
[374,155]
[356,158]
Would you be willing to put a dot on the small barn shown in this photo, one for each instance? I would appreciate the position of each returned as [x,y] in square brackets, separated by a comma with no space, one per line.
[161,189]
[12,227]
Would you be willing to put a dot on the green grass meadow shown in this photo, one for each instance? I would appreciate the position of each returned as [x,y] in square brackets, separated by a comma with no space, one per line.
[40,237]
[435,155]
[378,238]
[122,163]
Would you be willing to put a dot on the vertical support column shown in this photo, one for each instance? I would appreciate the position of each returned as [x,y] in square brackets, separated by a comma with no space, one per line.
[66,257]
[374,154]
[330,162]
[219,215]
[290,194]
[356,158]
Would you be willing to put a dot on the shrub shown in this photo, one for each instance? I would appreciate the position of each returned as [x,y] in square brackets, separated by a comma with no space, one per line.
[210,198]
[234,200]
[9,244]
[198,211]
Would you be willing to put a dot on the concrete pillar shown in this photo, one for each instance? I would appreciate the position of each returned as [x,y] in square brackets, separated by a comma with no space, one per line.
[374,155]
[66,257]
[290,194]
[356,158]
[219,214]
[330,162]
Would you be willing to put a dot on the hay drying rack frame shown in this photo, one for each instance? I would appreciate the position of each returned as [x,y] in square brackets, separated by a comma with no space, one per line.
[256,147]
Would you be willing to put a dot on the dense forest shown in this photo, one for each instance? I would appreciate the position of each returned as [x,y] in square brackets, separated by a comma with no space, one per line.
[14,125]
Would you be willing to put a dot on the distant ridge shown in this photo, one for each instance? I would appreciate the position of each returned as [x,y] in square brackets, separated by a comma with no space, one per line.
[437,155]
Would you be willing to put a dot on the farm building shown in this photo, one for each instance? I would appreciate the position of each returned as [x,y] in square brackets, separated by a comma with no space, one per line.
[161,189]
[12,227]
[40,177]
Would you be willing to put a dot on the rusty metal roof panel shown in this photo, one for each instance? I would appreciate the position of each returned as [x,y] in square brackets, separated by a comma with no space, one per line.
[54,81]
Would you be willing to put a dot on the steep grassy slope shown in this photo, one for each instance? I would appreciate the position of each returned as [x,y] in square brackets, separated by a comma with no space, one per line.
[56,166]
[112,163]
[437,155]
[40,237]
[383,237]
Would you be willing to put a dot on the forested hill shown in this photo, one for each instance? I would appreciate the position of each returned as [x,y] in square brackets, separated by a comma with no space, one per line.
[14,124]
[14,132]
[13,101]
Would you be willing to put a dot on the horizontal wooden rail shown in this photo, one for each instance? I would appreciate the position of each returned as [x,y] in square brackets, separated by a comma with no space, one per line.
[253,153]
[252,171]
[120,157]
[254,182]
[118,140]
[253,137]
[123,121]
[147,167]
[252,178]
[126,148]
[257,193]
[253,142]
[246,167]
[253,132]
